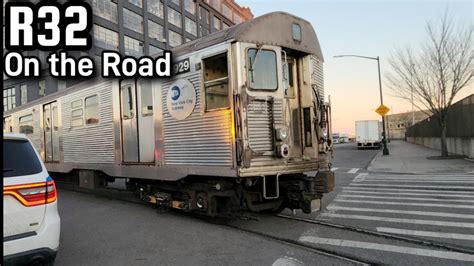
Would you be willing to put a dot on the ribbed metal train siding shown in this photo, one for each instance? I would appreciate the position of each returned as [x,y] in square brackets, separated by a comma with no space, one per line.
[260,125]
[317,76]
[200,139]
[89,143]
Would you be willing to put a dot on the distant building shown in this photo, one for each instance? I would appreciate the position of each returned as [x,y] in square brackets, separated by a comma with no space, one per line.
[134,28]
[397,124]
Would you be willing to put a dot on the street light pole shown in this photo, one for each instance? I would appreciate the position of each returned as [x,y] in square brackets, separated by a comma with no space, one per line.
[384,136]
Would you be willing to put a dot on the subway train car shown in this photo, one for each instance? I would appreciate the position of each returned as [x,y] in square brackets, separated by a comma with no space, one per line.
[241,125]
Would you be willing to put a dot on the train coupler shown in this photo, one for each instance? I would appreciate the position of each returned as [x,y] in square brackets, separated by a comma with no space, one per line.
[165,200]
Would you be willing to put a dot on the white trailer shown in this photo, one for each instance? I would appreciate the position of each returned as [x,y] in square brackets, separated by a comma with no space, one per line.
[368,134]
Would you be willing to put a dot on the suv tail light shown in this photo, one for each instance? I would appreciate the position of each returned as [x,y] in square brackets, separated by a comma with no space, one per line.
[33,194]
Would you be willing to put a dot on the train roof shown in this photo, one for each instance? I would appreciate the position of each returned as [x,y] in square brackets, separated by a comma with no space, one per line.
[272,29]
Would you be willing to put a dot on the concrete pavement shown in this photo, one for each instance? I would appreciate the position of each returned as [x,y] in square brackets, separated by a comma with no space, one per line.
[408,158]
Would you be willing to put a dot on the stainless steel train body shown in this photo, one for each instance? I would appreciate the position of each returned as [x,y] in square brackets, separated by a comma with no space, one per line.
[244,118]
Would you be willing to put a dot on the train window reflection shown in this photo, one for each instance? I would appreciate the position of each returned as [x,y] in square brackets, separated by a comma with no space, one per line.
[146,97]
[26,124]
[262,69]
[92,110]
[127,103]
[216,82]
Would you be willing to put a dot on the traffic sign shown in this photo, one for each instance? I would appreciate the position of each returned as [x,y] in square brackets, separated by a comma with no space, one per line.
[382,110]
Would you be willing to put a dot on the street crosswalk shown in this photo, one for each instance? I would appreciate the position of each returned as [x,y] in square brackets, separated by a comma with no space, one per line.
[438,208]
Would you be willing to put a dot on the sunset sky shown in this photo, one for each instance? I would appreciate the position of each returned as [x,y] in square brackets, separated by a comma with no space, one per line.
[369,28]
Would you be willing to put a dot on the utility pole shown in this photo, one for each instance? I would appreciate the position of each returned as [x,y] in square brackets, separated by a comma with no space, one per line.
[384,135]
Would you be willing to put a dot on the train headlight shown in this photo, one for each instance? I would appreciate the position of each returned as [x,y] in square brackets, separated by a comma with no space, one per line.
[282,133]
[283,150]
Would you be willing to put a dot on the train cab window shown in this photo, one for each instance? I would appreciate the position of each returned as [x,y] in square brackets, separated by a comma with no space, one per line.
[76,117]
[92,110]
[216,82]
[127,102]
[26,124]
[146,97]
[262,69]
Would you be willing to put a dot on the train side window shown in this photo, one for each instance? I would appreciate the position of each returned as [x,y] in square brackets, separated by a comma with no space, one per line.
[216,82]
[76,118]
[127,102]
[146,97]
[26,124]
[262,69]
[92,110]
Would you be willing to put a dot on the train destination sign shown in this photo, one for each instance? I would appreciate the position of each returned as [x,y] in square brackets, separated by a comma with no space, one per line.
[181,99]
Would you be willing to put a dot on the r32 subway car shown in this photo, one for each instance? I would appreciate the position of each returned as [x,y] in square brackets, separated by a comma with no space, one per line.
[241,125]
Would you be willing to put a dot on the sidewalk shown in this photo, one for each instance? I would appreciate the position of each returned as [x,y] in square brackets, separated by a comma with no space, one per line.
[411,158]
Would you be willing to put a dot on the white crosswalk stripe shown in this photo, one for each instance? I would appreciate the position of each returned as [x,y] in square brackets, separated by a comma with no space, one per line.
[437,207]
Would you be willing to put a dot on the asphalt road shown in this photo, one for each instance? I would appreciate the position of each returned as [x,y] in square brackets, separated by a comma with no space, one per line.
[100,231]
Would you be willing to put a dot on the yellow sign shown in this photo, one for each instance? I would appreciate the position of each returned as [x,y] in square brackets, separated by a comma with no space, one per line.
[382,110]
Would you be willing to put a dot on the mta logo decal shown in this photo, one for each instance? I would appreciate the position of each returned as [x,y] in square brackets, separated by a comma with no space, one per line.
[175,93]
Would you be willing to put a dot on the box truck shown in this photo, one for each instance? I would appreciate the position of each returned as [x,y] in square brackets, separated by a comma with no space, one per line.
[368,134]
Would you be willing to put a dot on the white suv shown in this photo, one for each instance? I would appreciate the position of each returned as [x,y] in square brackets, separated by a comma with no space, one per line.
[30,212]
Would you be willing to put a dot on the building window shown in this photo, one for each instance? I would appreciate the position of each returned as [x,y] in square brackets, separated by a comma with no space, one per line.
[190,26]
[76,113]
[146,97]
[204,31]
[138,3]
[132,20]
[174,17]
[92,110]
[133,47]
[262,69]
[227,11]
[217,23]
[204,15]
[237,18]
[41,88]
[176,2]
[105,9]
[105,38]
[153,50]
[216,82]
[9,99]
[175,39]
[26,124]
[23,94]
[62,85]
[190,6]
[156,31]
[215,4]
[225,25]
[156,8]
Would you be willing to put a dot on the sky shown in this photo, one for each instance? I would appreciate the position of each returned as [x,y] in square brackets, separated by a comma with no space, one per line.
[368,28]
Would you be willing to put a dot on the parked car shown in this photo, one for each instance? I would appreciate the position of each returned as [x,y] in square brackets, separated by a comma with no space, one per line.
[30,208]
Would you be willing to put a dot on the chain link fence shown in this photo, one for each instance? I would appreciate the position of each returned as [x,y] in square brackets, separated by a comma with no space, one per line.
[460,122]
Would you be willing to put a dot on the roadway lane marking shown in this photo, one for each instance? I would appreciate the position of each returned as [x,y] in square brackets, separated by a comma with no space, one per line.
[399,220]
[334,169]
[409,204]
[404,198]
[287,261]
[360,177]
[353,170]
[406,193]
[420,181]
[334,207]
[389,248]
[413,177]
[410,186]
[465,193]
[425,233]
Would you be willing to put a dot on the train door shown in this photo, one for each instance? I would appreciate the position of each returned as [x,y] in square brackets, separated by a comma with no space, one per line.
[294,107]
[51,132]
[137,123]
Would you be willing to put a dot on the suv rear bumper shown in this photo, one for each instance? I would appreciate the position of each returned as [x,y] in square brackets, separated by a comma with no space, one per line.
[45,255]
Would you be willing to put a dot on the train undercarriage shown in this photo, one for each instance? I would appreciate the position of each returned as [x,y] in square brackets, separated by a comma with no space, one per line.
[227,197]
